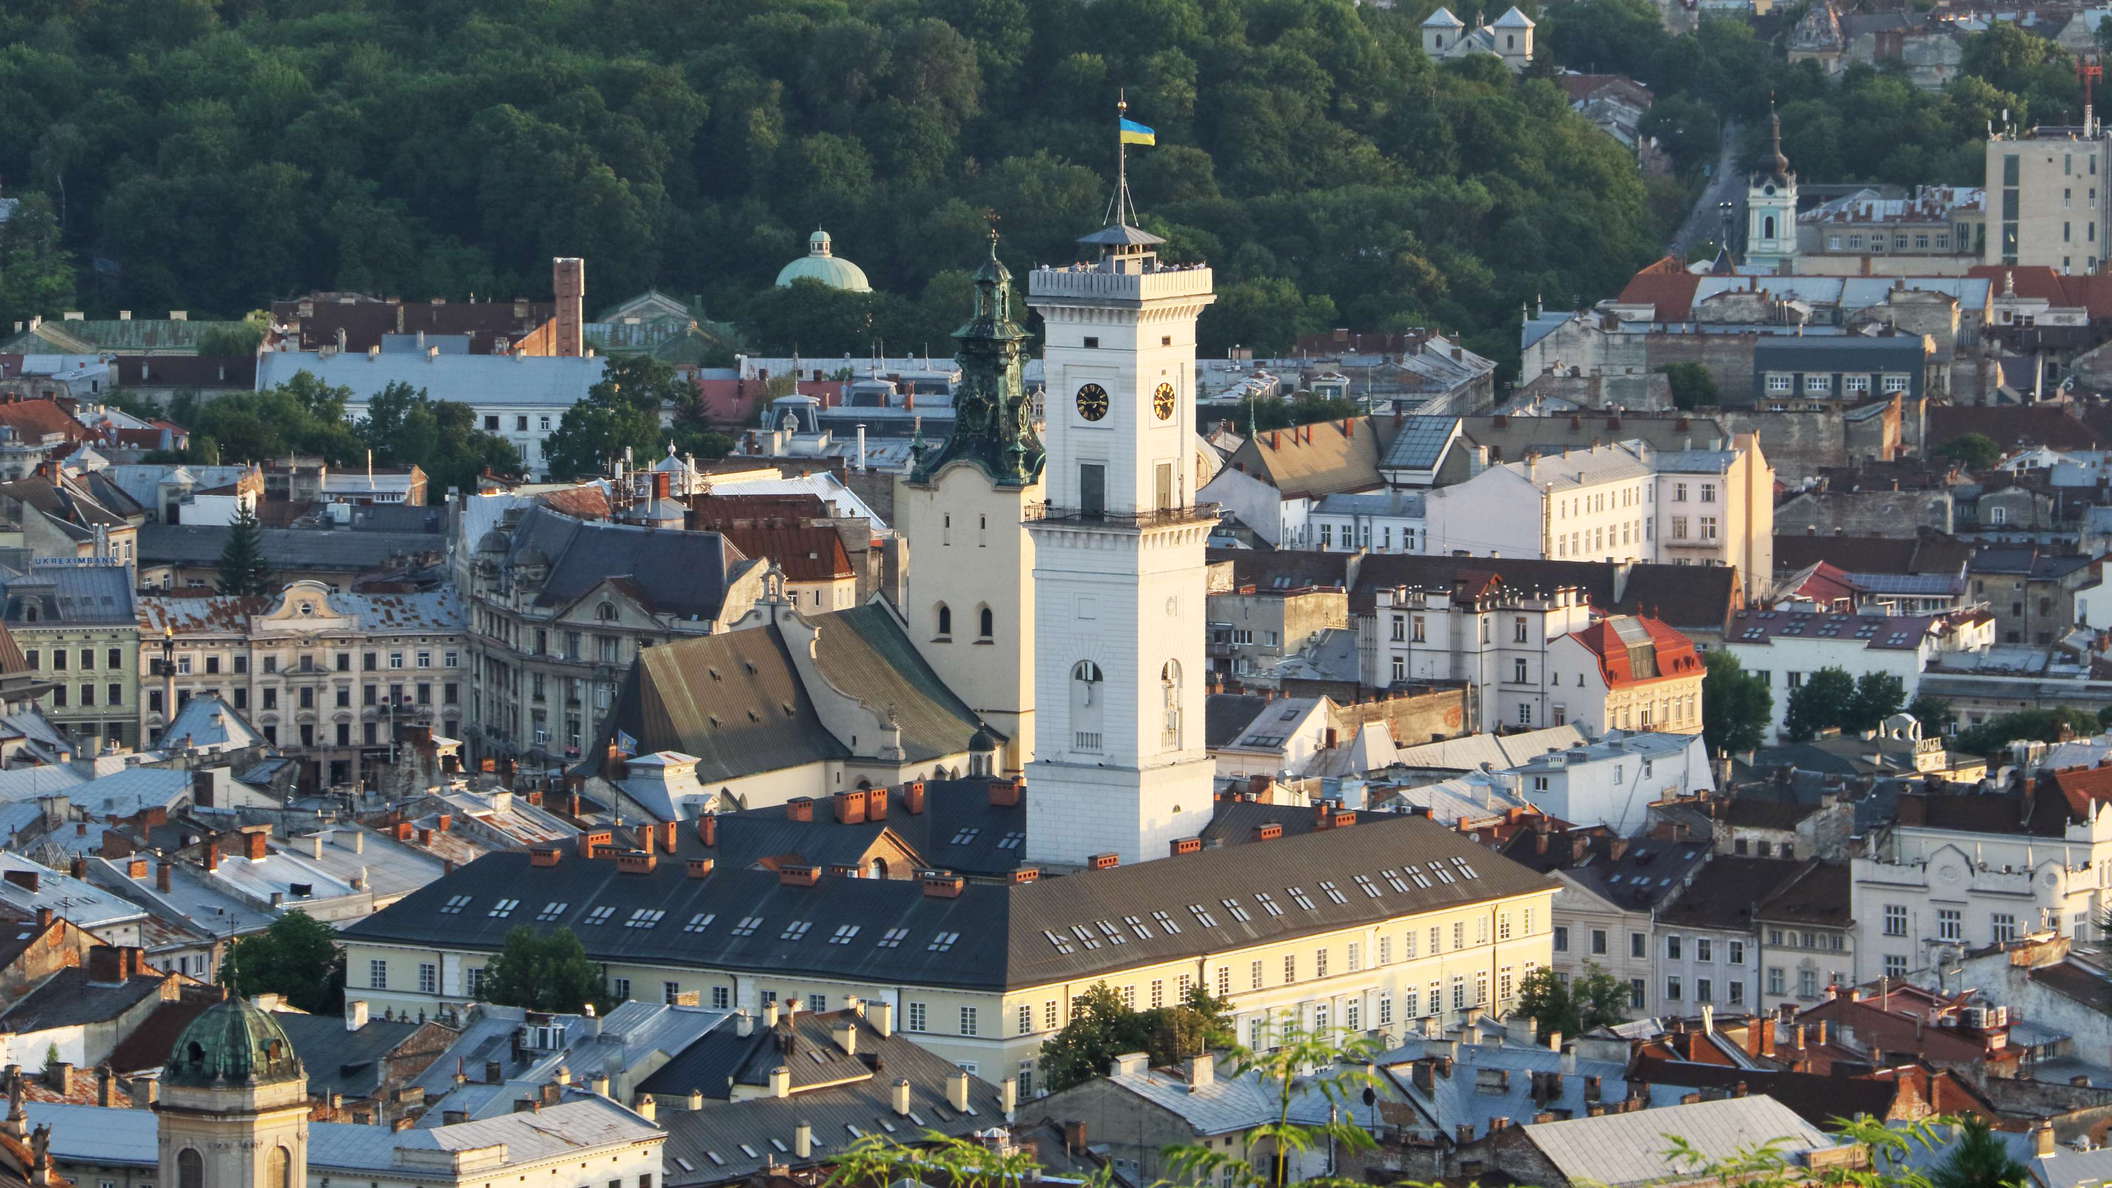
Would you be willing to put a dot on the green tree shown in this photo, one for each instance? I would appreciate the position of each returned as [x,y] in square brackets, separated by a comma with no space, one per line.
[1878,695]
[237,340]
[297,956]
[1979,1160]
[1736,705]
[36,271]
[1102,1028]
[1825,700]
[1933,712]
[243,567]
[621,412]
[543,972]
[1993,736]
[1692,385]
[1974,451]
[1593,999]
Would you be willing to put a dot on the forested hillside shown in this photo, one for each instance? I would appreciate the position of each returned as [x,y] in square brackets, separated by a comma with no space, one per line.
[213,155]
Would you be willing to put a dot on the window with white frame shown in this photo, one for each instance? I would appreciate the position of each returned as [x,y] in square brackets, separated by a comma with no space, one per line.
[1818,384]
[1892,382]
[1857,384]
[1778,381]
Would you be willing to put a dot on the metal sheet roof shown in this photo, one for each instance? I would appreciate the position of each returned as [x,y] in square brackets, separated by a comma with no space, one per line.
[1619,1149]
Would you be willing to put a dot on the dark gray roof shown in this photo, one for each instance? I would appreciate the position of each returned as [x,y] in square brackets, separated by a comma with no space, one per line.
[339,1060]
[71,594]
[959,830]
[69,998]
[736,702]
[1227,715]
[1898,352]
[683,574]
[284,548]
[1055,929]
[730,1141]
[1121,235]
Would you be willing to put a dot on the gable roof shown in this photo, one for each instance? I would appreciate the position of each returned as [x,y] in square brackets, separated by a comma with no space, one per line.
[1615,1150]
[1312,460]
[2010,426]
[678,573]
[737,702]
[1020,934]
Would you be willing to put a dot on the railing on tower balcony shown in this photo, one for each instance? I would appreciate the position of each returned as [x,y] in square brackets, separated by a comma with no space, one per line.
[1086,740]
[1154,518]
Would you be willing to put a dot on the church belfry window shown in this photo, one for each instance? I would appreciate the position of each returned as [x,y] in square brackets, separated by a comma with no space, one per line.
[945,616]
[190,1169]
[986,623]
[1085,706]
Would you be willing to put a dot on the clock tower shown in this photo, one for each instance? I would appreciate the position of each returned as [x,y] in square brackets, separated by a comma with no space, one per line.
[1119,764]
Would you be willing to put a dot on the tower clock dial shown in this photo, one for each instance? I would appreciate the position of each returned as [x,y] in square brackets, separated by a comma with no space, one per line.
[1092,402]
[1162,400]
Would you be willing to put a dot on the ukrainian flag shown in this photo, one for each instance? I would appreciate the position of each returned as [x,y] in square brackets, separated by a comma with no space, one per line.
[1136,133]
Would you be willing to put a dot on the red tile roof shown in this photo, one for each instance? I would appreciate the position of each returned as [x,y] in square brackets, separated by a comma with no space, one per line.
[1668,286]
[2093,292]
[2084,788]
[33,420]
[1610,640]
[805,554]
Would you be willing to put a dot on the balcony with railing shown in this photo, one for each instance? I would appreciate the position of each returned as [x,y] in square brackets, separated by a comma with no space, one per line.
[1164,517]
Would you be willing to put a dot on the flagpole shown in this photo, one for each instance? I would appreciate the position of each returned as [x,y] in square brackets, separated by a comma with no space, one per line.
[1121,162]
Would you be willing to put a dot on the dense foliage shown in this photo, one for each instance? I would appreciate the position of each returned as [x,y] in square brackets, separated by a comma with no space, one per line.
[1831,699]
[1591,1000]
[1862,125]
[622,412]
[297,956]
[214,154]
[542,972]
[1103,1027]
[1993,736]
[1735,705]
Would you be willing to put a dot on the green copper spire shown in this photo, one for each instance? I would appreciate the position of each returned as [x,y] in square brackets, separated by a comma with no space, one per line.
[993,418]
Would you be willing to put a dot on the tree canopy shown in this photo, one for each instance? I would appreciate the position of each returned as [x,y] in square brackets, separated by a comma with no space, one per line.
[1330,171]
[542,972]
[1103,1027]
[297,956]
[1736,705]
[243,568]
[1592,999]
[1974,451]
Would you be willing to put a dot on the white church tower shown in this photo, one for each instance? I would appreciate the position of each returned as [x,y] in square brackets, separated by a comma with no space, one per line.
[1119,766]
[1771,209]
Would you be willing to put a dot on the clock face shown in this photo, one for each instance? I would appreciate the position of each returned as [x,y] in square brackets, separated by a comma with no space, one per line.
[1092,402]
[1162,401]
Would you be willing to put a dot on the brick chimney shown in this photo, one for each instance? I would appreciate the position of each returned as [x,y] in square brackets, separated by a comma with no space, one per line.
[568,284]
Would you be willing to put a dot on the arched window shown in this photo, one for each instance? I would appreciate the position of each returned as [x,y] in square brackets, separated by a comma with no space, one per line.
[281,1168]
[1085,706]
[1767,227]
[945,620]
[606,612]
[190,1169]
[986,623]
[1170,696]
[879,868]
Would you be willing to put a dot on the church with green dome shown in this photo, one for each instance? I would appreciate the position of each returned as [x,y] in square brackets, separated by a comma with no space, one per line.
[821,263]
[233,1104]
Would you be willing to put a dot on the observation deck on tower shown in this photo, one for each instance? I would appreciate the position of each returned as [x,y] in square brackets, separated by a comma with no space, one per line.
[1127,270]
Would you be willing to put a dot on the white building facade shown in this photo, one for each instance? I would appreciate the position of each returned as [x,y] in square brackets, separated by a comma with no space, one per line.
[1930,891]
[1119,566]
